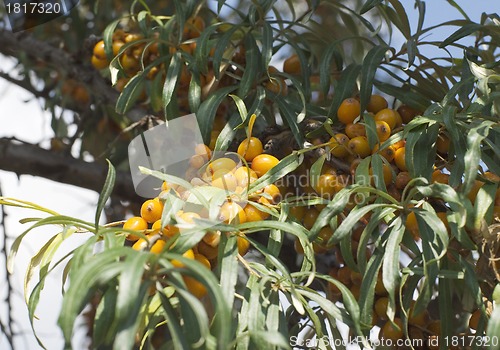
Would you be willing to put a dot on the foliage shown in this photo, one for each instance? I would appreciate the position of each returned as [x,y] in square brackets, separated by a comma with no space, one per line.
[222,70]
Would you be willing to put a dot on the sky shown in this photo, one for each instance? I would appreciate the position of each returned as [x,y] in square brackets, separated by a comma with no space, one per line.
[27,122]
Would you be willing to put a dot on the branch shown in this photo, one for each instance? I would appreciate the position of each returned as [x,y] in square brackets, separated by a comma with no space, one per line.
[12,44]
[25,158]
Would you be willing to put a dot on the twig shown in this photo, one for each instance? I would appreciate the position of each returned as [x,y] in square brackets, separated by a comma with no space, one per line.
[7,329]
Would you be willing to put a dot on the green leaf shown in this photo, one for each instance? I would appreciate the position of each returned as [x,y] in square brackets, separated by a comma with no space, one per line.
[267,44]
[370,64]
[130,93]
[290,117]
[390,270]
[253,57]
[402,18]
[421,137]
[228,267]
[464,31]
[105,193]
[494,329]
[368,5]
[206,113]
[173,72]
[330,52]
[108,38]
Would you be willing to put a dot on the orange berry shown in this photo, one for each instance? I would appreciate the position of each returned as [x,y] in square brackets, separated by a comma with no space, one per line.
[99,63]
[400,159]
[157,227]
[440,177]
[262,163]
[443,143]
[135,223]
[412,225]
[99,50]
[349,110]
[353,130]
[376,104]
[402,180]
[129,63]
[117,45]
[474,319]
[292,65]
[202,259]
[390,116]
[389,331]
[140,244]
[203,150]
[224,163]
[297,212]
[207,250]
[225,180]
[310,218]
[388,152]
[254,148]
[243,245]
[274,192]
[151,210]
[254,214]
[474,190]
[338,145]
[232,213]
[325,185]
[359,145]
[189,254]
[195,287]
[157,247]
[196,161]
[383,130]
[381,307]
[245,176]
[407,113]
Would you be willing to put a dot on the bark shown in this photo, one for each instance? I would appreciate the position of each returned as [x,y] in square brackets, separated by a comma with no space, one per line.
[25,158]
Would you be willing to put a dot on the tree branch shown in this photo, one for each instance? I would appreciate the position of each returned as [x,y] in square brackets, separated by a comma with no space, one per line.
[25,158]
[12,44]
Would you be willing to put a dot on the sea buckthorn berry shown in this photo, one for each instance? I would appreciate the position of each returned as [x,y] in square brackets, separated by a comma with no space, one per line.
[193,27]
[157,227]
[407,113]
[203,150]
[389,331]
[132,37]
[474,190]
[297,212]
[189,254]
[386,172]
[212,238]
[225,180]
[354,130]
[400,159]
[250,150]
[129,63]
[348,110]
[254,214]
[99,50]
[99,63]
[245,176]
[440,177]
[274,192]
[402,179]
[338,145]
[195,287]
[383,130]
[359,145]
[443,143]
[135,223]
[196,161]
[151,210]
[263,163]
[324,234]
[344,275]
[243,245]
[434,327]
[390,116]
[117,45]
[203,260]
[232,213]
[474,319]
[388,152]
[310,218]
[188,217]
[376,104]
[420,319]
[157,247]
[411,225]
[379,286]
[277,85]
[381,307]
[325,185]
[209,252]
[140,244]
[292,65]
[224,163]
